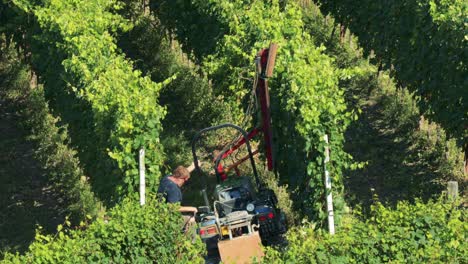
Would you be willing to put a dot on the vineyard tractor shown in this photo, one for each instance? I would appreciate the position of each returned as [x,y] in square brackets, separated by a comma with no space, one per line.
[243,215]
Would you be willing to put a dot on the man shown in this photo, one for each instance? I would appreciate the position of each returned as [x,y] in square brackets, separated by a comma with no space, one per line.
[171,184]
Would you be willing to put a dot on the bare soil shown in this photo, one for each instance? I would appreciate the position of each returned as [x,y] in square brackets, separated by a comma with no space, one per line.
[26,199]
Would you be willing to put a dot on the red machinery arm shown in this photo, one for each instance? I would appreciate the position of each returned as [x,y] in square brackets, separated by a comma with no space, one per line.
[266,60]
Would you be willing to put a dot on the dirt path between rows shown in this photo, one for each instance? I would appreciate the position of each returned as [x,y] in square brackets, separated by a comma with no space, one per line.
[26,199]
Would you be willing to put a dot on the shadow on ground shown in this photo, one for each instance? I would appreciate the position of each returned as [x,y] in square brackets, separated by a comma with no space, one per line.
[26,199]
[396,168]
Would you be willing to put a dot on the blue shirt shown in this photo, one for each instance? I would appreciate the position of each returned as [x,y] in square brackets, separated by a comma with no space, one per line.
[170,190]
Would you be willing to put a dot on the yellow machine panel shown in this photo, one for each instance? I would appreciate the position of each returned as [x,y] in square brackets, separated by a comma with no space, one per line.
[241,250]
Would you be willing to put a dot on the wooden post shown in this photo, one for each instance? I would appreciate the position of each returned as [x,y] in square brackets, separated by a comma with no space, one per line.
[452,190]
[466,159]
[342,33]
[142,177]
[331,219]
[146,7]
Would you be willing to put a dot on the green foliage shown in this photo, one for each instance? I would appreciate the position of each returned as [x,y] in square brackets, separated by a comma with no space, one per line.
[425,44]
[434,232]
[325,31]
[284,196]
[57,159]
[429,146]
[406,156]
[189,99]
[196,30]
[129,234]
[123,114]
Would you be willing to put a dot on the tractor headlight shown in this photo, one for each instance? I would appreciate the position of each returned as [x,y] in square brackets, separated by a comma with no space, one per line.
[250,207]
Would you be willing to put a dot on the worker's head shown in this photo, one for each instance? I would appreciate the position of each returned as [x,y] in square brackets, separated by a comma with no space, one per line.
[181,175]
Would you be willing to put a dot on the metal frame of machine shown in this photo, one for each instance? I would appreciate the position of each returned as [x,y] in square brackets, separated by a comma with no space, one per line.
[242,211]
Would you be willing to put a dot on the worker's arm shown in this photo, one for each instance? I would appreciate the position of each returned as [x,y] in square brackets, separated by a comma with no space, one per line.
[192,166]
[188,209]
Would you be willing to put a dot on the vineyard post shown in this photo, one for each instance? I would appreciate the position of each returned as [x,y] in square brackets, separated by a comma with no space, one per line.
[142,176]
[452,190]
[331,220]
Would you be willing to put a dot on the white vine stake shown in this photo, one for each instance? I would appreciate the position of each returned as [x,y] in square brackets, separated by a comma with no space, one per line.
[331,220]
[142,176]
